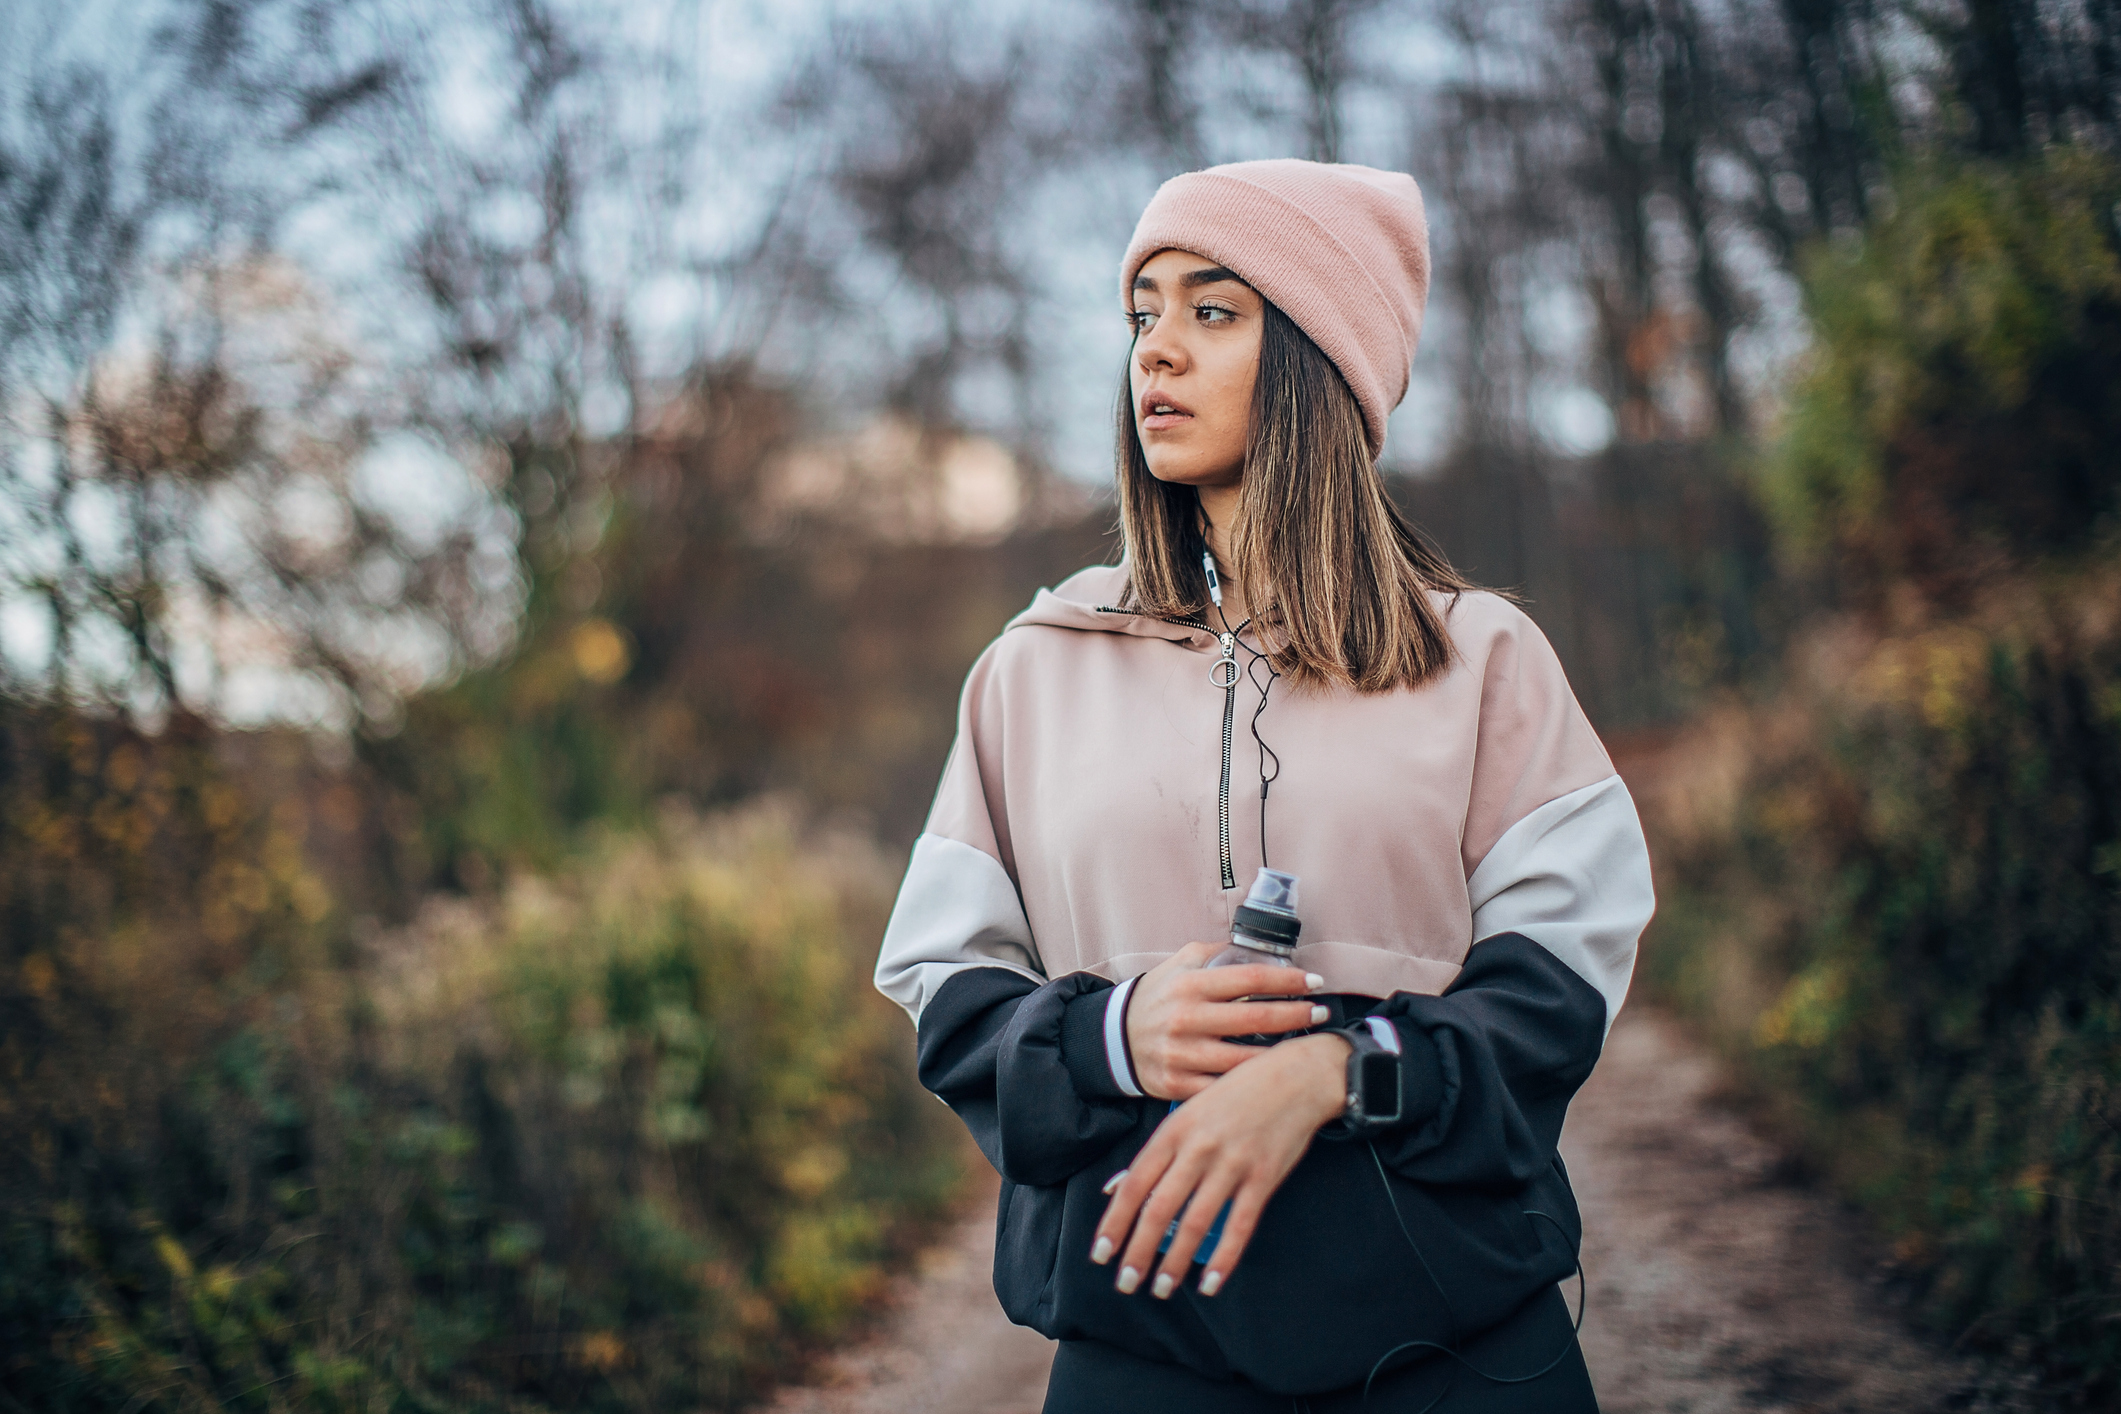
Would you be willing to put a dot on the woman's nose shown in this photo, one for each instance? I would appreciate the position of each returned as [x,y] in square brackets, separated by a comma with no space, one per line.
[1153,350]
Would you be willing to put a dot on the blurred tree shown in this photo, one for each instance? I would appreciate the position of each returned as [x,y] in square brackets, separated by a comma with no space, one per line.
[1161,112]
[1964,401]
[1809,115]
[1661,162]
[1498,232]
[937,137]
[185,434]
[2025,73]
[1314,38]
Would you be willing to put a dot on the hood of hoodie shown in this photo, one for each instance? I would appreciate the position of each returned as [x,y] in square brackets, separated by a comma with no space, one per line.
[1089,600]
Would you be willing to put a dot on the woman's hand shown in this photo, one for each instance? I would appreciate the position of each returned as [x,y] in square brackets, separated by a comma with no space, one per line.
[1235,1140]
[1181,1010]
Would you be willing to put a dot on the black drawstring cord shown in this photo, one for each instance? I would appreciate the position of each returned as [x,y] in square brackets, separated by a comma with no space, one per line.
[1266,752]
[1582,1303]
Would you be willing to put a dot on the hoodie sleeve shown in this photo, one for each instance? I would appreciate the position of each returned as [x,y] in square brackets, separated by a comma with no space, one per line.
[1037,1068]
[1559,880]
[958,907]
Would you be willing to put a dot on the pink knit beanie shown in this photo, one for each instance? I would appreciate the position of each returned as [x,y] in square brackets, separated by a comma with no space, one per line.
[1342,250]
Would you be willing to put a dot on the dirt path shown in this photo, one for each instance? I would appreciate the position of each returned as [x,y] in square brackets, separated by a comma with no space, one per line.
[948,1349]
[1712,1286]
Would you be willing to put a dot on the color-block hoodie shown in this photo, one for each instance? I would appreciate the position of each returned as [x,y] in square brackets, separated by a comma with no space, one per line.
[1473,873]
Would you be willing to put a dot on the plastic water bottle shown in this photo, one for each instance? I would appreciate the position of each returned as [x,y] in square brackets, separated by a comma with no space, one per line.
[1264,932]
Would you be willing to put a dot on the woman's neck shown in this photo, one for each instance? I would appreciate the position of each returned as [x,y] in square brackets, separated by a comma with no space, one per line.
[1218,508]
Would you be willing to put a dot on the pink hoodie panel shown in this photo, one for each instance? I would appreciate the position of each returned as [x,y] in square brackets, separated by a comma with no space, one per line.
[1089,758]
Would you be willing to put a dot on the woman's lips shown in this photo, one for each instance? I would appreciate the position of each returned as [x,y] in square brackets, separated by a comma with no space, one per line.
[1160,413]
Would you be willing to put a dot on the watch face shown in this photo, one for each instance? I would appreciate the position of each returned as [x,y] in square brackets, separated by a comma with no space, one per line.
[1378,1082]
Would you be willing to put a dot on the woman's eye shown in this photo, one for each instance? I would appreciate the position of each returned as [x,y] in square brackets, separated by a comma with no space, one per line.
[1212,314]
[1141,320]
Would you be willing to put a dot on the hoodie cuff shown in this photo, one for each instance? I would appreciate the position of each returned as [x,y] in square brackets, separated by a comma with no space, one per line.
[1420,1076]
[1420,1068]
[1094,1043]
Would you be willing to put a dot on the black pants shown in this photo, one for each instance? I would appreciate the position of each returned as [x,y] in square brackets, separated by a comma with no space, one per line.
[1090,1377]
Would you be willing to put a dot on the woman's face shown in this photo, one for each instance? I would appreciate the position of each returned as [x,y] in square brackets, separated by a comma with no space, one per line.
[1196,354]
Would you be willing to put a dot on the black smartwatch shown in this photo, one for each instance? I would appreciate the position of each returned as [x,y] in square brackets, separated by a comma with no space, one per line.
[1374,1086]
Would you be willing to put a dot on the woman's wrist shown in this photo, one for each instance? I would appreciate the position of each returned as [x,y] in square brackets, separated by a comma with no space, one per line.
[1322,1063]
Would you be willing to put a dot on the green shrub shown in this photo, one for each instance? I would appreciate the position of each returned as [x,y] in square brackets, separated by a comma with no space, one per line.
[1894,896]
[1892,890]
[1963,398]
[633,1135]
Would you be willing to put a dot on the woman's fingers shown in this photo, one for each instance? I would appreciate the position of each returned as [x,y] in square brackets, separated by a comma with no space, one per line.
[1182,1068]
[1155,1016]
[1193,1225]
[1184,1085]
[1132,1190]
[1240,1138]
[1245,1207]
[1200,1048]
[1181,1001]
[1157,1211]
[1190,1065]
[1222,984]
[1211,1054]
[1244,1018]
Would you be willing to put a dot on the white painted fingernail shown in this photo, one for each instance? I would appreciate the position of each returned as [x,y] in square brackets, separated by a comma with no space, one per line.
[1165,1285]
[1314,981]
[1319,1015]
[1112,1183]
[1101,1253]
[1128,1280]
[1211,1283]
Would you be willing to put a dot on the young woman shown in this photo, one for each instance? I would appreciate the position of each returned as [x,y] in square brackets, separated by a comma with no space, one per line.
[1370,1212]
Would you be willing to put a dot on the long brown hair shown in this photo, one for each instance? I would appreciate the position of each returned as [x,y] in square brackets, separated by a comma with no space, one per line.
[1325,558]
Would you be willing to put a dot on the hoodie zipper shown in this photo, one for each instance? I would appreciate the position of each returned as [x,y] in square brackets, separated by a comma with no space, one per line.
[1228,643]
[1222,798]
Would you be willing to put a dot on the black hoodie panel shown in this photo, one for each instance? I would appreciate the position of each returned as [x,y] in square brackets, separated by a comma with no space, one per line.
[1506,1046]
[991,1045]
[1328,1283]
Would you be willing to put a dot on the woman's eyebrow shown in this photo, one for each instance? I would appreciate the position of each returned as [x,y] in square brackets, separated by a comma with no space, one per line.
[1192,278]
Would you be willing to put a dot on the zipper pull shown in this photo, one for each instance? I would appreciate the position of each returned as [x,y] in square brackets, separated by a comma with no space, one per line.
[1216,675]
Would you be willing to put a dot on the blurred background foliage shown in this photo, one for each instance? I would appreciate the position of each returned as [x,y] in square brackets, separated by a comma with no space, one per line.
[1892,884]
[1973,329]
[497,500]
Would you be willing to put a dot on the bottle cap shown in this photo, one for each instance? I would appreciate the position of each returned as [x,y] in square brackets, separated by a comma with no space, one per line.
[1273,889]
[1268,913]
